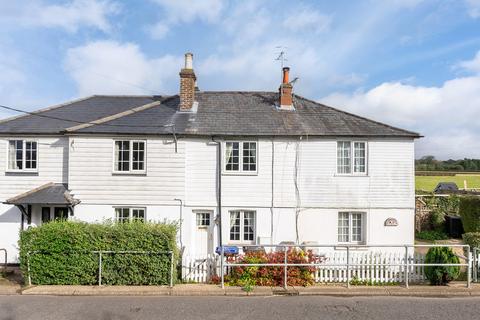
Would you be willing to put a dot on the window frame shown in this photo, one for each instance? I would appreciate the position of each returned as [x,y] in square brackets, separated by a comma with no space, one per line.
[240,170]
[24,155]
[130,214]
[242,227]
[363,216]
[130,161]
[201,212]
[352,158]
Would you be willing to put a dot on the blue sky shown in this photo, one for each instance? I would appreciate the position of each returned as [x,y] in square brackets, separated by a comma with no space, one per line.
[410,63]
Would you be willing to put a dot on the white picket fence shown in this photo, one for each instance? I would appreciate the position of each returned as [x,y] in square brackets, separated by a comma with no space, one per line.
[378,267]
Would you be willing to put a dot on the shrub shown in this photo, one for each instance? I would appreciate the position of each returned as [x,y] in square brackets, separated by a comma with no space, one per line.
[63,253]
[437,220]
[272,276]
[470,213]
[431,235]
[441,275]
[472,239]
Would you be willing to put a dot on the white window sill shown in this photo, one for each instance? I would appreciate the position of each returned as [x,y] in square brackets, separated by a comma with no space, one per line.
[351,175]
[129,173]
[339,247]
[239,173]
[21,171]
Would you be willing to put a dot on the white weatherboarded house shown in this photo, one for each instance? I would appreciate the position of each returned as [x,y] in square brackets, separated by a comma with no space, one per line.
[232,167]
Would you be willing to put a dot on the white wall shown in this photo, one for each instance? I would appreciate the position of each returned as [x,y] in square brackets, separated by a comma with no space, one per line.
[92,181]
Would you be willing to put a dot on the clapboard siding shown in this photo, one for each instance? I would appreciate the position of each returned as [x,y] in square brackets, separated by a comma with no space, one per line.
[389,182]
[93,182]
[52,166]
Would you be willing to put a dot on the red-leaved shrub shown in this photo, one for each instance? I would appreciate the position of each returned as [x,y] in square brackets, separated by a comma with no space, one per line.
[272,275]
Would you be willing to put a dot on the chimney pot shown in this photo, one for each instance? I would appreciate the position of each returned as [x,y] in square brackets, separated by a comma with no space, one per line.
[285,74]
[189,60]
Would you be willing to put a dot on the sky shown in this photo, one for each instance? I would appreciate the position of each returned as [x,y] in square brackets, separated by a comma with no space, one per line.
[414,64]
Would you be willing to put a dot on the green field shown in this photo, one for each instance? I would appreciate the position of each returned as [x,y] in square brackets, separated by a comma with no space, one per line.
[428,183]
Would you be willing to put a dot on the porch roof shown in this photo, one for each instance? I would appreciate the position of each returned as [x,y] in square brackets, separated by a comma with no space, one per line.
[50,193]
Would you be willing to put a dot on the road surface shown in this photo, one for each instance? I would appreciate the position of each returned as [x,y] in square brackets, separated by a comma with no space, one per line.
[232,308]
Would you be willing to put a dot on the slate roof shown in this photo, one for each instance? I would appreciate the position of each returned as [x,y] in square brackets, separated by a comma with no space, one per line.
[50,193]
[218,114]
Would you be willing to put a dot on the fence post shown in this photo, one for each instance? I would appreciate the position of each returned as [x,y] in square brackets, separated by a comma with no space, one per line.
[285,269]
[348,267]
[99,268]
[406,267]
[28,269]
[221,267]
[171,269]
[469,268]
[475,265]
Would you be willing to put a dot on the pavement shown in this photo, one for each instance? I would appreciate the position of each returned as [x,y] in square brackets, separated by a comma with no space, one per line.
[453,290]
[225,307]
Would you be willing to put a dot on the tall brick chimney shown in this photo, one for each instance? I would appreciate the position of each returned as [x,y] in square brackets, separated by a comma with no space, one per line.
[187,84]
[286,99]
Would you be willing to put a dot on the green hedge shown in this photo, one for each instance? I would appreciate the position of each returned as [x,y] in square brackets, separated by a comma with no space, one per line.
[63,253]
[441,275]
[470,213]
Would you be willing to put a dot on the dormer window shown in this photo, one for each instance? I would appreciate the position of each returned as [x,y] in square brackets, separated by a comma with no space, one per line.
[22,155]
[240,157]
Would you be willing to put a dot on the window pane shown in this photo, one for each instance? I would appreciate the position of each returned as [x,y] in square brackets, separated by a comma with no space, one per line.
[357,227]
[30,155]
[203,219]
[248,225]
[45,214]
[249,156]
[138,155]
[122,214]
[12,155]
[122,155]
[359,157]
[343,157]
[138,215]
[235,225]
[343,227]
[232,157]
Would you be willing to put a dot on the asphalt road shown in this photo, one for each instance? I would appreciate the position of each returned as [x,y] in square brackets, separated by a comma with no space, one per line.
[258,308]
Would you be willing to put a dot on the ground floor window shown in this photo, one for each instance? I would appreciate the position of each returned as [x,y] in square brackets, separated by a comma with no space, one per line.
[129,214]
[242,226]
[351,227]
[203,219]
[59,213]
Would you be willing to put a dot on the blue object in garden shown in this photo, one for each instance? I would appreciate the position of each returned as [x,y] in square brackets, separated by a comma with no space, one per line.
[227,250]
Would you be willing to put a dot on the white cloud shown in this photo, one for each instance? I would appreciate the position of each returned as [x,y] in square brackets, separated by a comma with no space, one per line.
[473,8]
[69,16]
[448,111]
[306,20]
[470,65]
[185,11]
[109,67]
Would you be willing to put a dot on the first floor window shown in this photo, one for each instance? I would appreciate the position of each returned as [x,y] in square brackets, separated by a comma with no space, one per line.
[129,214]
[351,157]
[351,227]
[242,226]
[203,219]
[240,156]
[129,156]
[22,155]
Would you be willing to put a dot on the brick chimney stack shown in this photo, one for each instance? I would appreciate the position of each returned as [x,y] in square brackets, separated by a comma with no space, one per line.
[286,100]
[187,84]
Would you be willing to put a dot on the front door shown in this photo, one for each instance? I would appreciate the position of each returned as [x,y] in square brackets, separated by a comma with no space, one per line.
[204,233]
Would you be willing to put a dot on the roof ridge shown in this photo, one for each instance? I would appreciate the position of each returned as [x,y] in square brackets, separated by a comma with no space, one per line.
[360,117]
[55,106]
[114,116]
